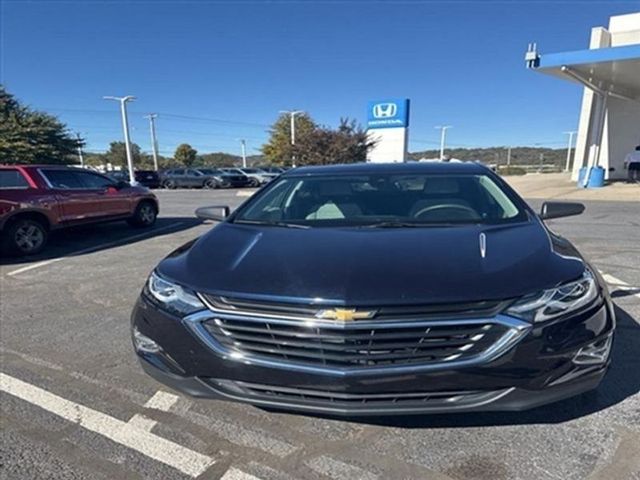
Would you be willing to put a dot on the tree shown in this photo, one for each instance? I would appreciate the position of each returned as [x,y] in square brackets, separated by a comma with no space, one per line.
[185,154]
[317,145]
[279,151]
[28,136]
[117,155]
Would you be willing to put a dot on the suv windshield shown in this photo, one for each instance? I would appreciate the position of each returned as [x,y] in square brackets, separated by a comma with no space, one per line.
[382,201]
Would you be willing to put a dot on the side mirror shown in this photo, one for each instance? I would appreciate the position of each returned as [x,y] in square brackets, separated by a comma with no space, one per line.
[560,209]
[217,213]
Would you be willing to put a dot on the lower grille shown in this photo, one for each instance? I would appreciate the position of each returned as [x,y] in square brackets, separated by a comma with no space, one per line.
[399,401]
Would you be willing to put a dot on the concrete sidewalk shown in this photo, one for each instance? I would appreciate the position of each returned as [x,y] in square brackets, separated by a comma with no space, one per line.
[559,186]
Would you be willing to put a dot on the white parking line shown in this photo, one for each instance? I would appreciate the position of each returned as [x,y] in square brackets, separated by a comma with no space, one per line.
[235,474]
[620,285]
[170,453]
[91,249]
[160,401]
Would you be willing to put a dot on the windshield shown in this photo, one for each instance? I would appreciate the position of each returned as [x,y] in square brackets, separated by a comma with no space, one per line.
[209,171]
[383,200]
[251,170]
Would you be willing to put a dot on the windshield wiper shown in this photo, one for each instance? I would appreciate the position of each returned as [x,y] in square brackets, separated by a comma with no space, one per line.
[270,224]
[406,225]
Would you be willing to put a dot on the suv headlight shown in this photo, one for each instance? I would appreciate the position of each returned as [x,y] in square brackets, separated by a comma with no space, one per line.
[558,301]
[172,296]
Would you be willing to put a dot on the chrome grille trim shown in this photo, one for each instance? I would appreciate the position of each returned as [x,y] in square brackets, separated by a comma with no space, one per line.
[279,355]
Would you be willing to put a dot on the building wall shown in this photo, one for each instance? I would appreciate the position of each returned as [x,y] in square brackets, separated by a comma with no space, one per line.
[622,124]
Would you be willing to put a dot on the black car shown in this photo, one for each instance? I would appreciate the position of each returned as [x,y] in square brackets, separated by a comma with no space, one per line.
[189,178]
[379,289]
[226,179]
[147,178]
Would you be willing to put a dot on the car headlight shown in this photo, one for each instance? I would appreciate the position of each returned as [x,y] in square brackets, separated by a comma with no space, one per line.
[558,301]
[172,296]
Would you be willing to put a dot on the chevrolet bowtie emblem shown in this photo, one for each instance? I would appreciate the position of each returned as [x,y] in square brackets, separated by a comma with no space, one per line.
[345,314]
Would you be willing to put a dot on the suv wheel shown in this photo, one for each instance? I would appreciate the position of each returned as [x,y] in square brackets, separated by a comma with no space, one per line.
[170,184]
[254,182]
[211,183]
[144,216]
[26,237]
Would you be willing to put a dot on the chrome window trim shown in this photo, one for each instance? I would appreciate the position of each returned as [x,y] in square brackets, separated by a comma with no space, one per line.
[517,329]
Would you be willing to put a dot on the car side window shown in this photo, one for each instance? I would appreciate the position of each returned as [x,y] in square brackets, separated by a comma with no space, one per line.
[178,172]
[93,180]
[12,178]
[194,173]
[63,179]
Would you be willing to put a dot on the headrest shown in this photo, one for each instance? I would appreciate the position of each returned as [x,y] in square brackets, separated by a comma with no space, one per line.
[333,188]
[441,186]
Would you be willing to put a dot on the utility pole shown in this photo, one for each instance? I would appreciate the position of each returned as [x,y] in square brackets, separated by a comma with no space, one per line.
[571,134]
[80,157]
[443,134]
[292,114]
[125,127]
[509,156]
[243,147]
[154,141]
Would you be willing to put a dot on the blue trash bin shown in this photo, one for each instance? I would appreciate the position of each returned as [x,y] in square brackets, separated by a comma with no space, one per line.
[581,173]
[596,178]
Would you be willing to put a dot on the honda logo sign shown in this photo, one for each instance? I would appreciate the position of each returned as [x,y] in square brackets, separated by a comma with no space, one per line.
[388,113]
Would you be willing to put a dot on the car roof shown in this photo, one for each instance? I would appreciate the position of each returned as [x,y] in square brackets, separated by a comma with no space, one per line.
[400,168]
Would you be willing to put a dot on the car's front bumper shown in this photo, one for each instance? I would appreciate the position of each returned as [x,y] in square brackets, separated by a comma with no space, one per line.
[539,370]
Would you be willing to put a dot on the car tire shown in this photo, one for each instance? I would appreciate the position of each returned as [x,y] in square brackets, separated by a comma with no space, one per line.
[25,236]
[211,183]
[144,216]
[254,183]
[169,184]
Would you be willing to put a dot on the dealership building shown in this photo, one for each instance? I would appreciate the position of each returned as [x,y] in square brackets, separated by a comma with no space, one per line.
[609,71]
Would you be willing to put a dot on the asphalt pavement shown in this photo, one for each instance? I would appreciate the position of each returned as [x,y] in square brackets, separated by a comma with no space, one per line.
[75,404]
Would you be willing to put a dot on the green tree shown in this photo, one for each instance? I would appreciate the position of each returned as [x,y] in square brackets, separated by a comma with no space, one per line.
[28,136]
[185,155]
[117,155]
[278,150]
[316,145]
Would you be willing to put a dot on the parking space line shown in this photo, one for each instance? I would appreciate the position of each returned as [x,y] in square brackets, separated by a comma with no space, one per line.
[235,474]
[170,453]
[91,249]
[620,285]
[160,401]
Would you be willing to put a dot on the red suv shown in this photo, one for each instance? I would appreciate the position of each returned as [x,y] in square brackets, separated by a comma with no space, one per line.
[36,199]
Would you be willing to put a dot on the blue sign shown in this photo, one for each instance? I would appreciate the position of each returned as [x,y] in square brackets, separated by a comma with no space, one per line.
[388,113]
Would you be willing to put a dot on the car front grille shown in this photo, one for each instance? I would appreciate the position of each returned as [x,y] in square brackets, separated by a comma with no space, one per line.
[397,402]
[292,334]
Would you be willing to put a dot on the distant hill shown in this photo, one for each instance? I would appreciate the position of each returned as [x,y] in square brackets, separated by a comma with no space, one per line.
[498,155]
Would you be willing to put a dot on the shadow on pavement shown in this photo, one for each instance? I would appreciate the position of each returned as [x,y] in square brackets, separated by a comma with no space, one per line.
[92,238]
[621,382]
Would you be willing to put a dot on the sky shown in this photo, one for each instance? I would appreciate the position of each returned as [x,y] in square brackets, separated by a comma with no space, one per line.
[218,71]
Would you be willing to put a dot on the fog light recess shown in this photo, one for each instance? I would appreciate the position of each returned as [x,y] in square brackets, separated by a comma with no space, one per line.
[144,344]
[595,353]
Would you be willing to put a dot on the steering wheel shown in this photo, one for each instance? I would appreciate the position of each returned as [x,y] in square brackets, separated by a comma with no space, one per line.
[451,206]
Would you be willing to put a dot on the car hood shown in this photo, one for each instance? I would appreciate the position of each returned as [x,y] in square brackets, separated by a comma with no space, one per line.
[365,266]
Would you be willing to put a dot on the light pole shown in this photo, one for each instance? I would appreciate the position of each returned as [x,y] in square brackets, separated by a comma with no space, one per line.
[80,156]
[243,147]
[154,141]
[571,134]
[125,127]
[292,114]
[443,134]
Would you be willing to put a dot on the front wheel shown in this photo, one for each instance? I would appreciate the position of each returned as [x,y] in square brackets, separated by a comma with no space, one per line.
[144,216]
[211,183]
[169,184]
[25,237]
[254,183]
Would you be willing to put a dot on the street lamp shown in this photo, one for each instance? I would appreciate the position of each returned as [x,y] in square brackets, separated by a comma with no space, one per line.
[571,134]
[154,141]
[125,127]
[292,114]
[243,147]
[443,133]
